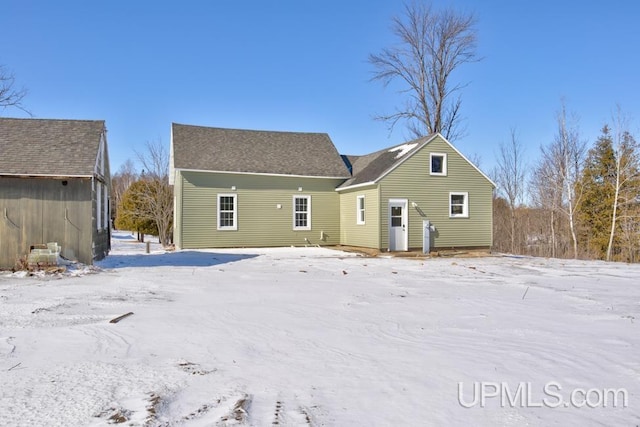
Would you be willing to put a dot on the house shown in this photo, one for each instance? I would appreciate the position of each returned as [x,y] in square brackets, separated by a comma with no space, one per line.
[54,187]
[254,188]
[394,192]
[237,188]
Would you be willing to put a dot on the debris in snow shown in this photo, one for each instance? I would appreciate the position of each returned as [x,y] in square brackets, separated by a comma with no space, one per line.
[344,272]
[240,410]
[194,368]
[119,318]
[525,292]
[403,149]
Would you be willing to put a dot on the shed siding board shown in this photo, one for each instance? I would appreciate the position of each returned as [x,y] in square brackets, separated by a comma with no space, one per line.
[260,223]
[42,210]
[411,180]
[367,234]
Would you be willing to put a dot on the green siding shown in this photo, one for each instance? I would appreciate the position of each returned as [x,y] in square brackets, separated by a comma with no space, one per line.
[367,234]
[260,221]
[411,180]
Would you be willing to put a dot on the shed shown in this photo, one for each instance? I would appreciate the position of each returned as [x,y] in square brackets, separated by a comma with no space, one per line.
[54,187]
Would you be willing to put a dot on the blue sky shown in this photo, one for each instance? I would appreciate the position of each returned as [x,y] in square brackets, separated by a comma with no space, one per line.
[302,66]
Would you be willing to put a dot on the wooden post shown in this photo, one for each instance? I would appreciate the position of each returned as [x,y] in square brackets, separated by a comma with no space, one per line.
[148,247]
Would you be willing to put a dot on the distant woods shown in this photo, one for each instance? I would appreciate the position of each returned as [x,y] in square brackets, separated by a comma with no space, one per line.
[580,199]
[144,201]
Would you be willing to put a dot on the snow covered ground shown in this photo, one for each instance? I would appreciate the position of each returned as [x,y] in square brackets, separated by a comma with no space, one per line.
[313,336]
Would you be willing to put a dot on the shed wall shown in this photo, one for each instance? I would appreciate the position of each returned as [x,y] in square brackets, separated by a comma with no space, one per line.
[40,210]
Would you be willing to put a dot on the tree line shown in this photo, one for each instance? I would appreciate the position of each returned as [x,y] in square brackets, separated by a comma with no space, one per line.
[578,200]
[144,201]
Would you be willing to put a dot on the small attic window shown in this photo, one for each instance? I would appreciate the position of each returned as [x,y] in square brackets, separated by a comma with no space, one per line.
[438,164]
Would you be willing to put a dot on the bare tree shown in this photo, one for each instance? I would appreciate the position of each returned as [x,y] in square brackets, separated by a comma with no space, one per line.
[155,196]
[556,182]
[10,96]
[510,174]
[546,190]
[432,45]
[627,173]
[566,155]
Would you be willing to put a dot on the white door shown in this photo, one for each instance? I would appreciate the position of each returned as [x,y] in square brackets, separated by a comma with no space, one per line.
[398,225]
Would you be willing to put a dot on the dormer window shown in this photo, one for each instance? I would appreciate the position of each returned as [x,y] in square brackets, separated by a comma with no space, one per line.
[438,164]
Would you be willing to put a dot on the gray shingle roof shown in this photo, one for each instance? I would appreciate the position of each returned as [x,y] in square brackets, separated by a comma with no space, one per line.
[253,151]
[49,147]
[370,167]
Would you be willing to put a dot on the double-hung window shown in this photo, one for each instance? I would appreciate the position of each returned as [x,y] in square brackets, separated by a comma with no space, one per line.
[360,210]
[459,205]
[227,211]
[302,212]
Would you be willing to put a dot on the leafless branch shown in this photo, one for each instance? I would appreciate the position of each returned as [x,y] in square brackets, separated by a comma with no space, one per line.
[11,96]
[432,45]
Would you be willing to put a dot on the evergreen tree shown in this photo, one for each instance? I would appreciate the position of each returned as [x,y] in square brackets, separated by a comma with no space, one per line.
[598,191]
[131,213]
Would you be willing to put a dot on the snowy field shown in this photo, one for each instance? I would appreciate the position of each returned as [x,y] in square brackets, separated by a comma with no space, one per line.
[313,336]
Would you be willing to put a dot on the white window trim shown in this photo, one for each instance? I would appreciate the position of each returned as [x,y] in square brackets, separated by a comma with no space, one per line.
[293,208]
[465,206]
[98,205]
[105,207]
[360,219]
[234,227]
[444,164]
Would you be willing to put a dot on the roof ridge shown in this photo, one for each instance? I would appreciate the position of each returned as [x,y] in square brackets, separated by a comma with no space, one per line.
[42,119]
[251,130]
[417,140]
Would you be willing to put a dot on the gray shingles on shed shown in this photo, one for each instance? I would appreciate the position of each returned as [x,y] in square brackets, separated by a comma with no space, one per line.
[255,151]
[49,147]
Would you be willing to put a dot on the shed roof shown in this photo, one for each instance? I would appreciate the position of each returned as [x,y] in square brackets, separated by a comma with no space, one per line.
[255,151]
[49,147]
